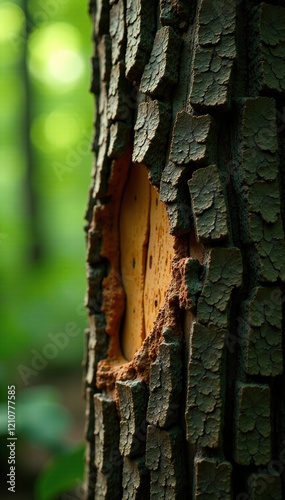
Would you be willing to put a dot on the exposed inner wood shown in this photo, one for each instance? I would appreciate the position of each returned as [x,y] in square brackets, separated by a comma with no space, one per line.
[146,250]
[160,254]
[106,217]
[134,234]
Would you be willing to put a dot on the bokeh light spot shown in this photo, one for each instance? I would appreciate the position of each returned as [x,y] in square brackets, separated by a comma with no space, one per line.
[12,20]
[57,130]
[55,56]
[61,129]
[65,66]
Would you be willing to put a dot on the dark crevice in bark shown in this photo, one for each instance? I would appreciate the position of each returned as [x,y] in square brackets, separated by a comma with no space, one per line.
[227,164]
[278,384]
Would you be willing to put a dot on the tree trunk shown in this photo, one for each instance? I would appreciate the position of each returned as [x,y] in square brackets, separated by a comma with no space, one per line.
[186,252]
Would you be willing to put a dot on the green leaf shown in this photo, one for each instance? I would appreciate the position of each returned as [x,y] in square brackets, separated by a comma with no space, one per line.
[63,473]
[41,418]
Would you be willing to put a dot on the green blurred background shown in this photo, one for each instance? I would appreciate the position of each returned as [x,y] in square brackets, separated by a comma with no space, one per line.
[46,118]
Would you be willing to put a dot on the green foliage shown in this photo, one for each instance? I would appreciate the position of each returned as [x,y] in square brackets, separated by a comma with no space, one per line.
[38,298]
[45,123]
[41,418]
[62,474]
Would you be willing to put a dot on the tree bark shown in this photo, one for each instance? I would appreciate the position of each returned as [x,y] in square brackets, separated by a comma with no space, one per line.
[184,353]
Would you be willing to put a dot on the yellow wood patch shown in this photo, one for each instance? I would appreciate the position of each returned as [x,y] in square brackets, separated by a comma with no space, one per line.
[160,253]
[146,252]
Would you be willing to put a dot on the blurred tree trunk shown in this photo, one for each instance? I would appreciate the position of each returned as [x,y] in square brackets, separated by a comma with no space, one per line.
[186,267]
[35,247]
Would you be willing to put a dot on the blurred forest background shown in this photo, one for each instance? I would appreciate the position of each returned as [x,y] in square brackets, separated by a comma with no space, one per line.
[46,118]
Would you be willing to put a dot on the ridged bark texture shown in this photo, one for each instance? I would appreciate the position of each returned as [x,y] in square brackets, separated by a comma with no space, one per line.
[194,91]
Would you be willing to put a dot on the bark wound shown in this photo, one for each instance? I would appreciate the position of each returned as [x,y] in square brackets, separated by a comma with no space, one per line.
[136,241]
[107,219]
[134,237]
[145,246]
[159,261]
